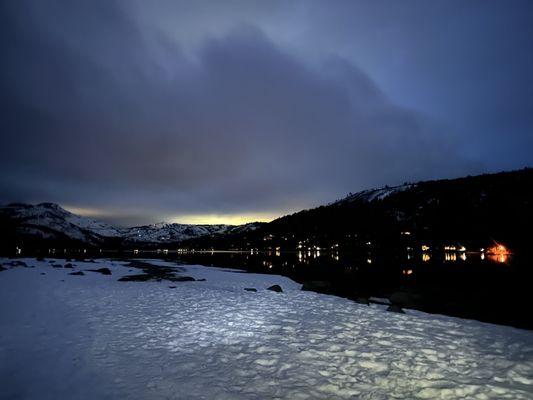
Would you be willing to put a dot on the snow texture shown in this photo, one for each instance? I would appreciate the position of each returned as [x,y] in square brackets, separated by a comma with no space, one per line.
[92,337]
[377,194]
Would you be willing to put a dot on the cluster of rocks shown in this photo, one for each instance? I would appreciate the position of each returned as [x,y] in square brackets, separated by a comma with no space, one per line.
[155,273]
[395,303]
[13,264]
[274,288]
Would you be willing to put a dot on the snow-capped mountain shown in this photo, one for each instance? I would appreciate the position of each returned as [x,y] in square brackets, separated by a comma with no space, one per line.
[51,222]
[163,232]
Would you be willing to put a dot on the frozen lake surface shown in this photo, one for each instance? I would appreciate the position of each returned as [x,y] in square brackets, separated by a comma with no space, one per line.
[91,337]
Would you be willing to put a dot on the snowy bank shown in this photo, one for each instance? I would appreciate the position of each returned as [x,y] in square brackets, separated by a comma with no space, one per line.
[91,337]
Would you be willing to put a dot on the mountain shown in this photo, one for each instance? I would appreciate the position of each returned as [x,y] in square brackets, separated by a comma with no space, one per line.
[48,223]
[473,209]
[174,233]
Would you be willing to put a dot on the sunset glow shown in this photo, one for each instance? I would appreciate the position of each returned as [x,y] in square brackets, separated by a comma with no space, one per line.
[229,219]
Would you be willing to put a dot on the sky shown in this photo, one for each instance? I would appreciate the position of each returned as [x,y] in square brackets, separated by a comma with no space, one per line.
[140,111]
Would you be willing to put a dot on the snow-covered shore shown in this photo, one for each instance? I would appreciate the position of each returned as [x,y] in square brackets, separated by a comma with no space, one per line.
[92,337]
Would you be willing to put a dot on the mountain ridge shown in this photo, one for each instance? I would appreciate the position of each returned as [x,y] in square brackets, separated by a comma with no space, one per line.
[471,208]
[50,222]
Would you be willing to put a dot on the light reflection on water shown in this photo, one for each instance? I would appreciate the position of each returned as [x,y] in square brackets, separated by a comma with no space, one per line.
[499,258]
[407,261]
[455,256]
[450,256]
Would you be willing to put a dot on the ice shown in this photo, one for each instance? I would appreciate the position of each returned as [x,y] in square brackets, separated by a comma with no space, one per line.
[88,337]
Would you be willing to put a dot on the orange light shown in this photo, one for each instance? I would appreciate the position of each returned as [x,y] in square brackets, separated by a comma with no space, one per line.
[498,253]
[498,249]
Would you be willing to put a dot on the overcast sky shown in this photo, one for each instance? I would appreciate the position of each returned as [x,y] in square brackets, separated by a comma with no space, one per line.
[230,111]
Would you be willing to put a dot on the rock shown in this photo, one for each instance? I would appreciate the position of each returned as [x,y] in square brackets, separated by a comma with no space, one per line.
[275,288]
[67,265]
[250,289]
[402,299]
[79,273]
[172,287]
[362,300]
[135,278]
[201,280]
[42,273]
[17,264]
[103,271]
[57,266]
[395,308]
[182,279]
[316,286]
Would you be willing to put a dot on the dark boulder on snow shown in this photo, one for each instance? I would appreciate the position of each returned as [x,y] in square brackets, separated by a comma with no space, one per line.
[275,288]
[201,280]
[57,266]
[78,273]
[135,278]
[395,308]
[103,271]
[402,299]
[362,300]
[17,264]
[250,289]
[67,265]
[316,286]
[172,287]
[182,279]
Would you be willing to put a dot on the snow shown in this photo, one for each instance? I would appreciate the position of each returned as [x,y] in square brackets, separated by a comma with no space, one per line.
[377,194]
[163,232]
[88,337]
[49,221]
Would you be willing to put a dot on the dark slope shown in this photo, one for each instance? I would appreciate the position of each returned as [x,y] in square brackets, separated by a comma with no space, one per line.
[474,209]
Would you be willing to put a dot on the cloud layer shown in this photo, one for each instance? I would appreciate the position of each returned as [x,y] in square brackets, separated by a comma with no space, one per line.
[109,106]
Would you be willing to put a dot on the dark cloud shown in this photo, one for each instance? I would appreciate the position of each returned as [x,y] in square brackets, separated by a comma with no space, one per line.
[109,106]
